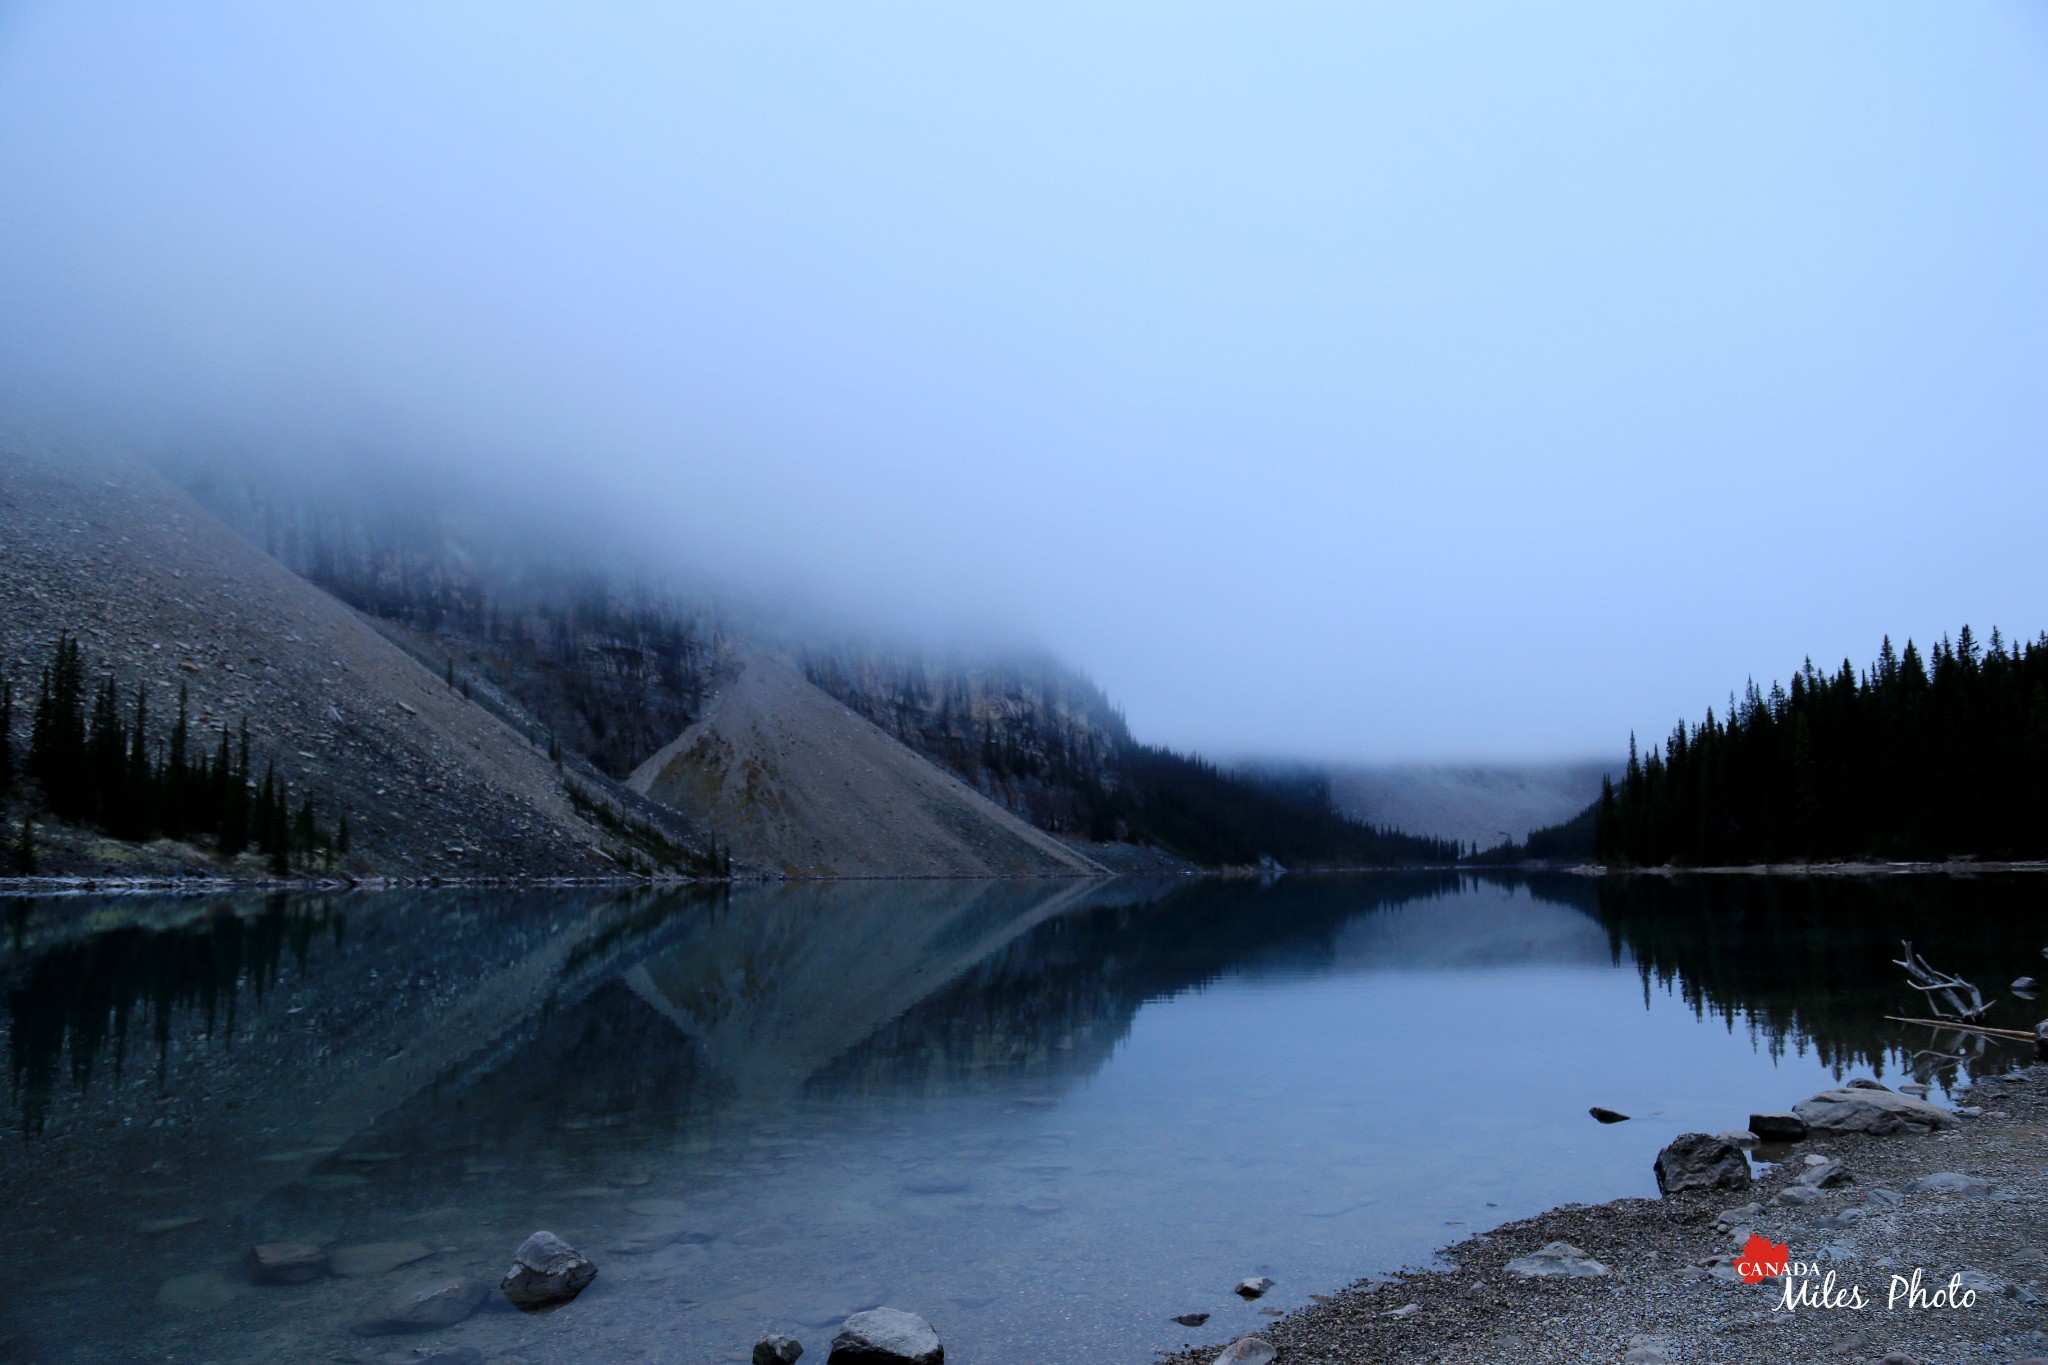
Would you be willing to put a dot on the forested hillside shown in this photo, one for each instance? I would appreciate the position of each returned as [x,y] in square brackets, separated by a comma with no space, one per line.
[1043,740]
[1906,759]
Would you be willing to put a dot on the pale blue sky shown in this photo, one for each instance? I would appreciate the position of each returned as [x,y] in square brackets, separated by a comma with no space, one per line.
[1328,380]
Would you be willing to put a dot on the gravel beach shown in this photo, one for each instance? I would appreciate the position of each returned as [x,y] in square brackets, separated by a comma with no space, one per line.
[1671,1294]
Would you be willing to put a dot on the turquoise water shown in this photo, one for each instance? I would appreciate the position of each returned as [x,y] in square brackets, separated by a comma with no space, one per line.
[1047,1116]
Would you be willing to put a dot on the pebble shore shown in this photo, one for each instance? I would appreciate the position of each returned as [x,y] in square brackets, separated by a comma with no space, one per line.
[1671,1295]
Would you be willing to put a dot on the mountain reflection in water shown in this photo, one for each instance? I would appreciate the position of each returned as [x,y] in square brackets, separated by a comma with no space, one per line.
[963,1094]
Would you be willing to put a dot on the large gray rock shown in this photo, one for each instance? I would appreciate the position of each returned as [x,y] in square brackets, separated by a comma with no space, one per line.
[1701,1161]
[1822,1174]
[437,1304]
[886,1336]
[777,1350]
[1248,1351]
[1871,1109]
[1557,1260]
[546,1270]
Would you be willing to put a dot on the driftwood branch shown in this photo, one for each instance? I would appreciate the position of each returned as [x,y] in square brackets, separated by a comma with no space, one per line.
[1942,988]
[2013,1034]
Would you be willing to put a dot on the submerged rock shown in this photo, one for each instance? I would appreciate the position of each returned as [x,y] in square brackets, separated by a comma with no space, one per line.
[777,1350]
[545,1271]
[1870,1108]
[376,1258]
[437,1304]
[886,1336]
[1255,1286]
[1608,1115]
[1558,1260]
[1701,1161]
[286,1263]
[190,1293]
[1248,1351]
[1191,1319]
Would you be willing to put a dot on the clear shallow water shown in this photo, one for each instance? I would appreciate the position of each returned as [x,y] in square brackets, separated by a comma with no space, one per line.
[1048,1117]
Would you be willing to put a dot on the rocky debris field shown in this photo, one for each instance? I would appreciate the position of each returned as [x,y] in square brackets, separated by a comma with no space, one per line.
[162,595]
[1855,1216]
[805,788]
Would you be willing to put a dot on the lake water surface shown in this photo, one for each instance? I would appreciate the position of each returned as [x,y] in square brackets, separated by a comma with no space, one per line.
[1047,1116]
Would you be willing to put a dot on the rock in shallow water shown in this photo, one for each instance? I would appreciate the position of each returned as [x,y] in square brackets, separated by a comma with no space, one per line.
[436,1304]
[545,1271]
[777,1350]
[189,1293]
[1701,1161]
[1247,1351]
[886,1336]
[1608,1115]
[286,1263]
[1255,1286]
[1191,1319]
[1778,1127]
[1558,1260]
[376,1258]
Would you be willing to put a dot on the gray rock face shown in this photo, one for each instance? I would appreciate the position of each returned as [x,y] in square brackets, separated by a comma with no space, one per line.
[1820,1177]
[886,1336]
[1795,1195]
[777,1350]
[1701,1161]
[1863,1109]
[546,1270]
[1558,1260]
[440,1303]
[1254,1287]
[1248,1351]
[1778,1127]
[1950,1182]
[286,1263]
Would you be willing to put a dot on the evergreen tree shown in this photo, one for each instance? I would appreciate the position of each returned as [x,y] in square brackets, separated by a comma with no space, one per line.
[6,738]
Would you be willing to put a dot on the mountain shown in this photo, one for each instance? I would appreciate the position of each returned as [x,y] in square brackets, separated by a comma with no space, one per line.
[1469,803]
[442,690]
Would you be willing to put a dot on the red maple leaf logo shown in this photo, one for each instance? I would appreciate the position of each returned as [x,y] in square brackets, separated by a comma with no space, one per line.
[1761,1259]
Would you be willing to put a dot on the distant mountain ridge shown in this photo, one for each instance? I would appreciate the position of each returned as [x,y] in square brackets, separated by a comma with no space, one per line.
[1469,803]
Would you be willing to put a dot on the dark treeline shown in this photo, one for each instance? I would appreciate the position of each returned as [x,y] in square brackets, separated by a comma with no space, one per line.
[1908,759]
[1188,806]
[91,759]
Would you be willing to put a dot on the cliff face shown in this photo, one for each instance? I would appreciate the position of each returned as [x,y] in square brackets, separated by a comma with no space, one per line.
[162,595]
[1029,734]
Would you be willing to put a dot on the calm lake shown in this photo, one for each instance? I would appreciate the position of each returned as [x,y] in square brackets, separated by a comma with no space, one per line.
[1047,1116]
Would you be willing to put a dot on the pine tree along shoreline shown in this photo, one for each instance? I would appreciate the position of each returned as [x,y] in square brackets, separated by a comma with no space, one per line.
[1910,759]
[94,763]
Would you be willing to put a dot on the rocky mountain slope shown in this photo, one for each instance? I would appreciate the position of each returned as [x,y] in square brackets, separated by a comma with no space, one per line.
[162,595]
[799,784]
